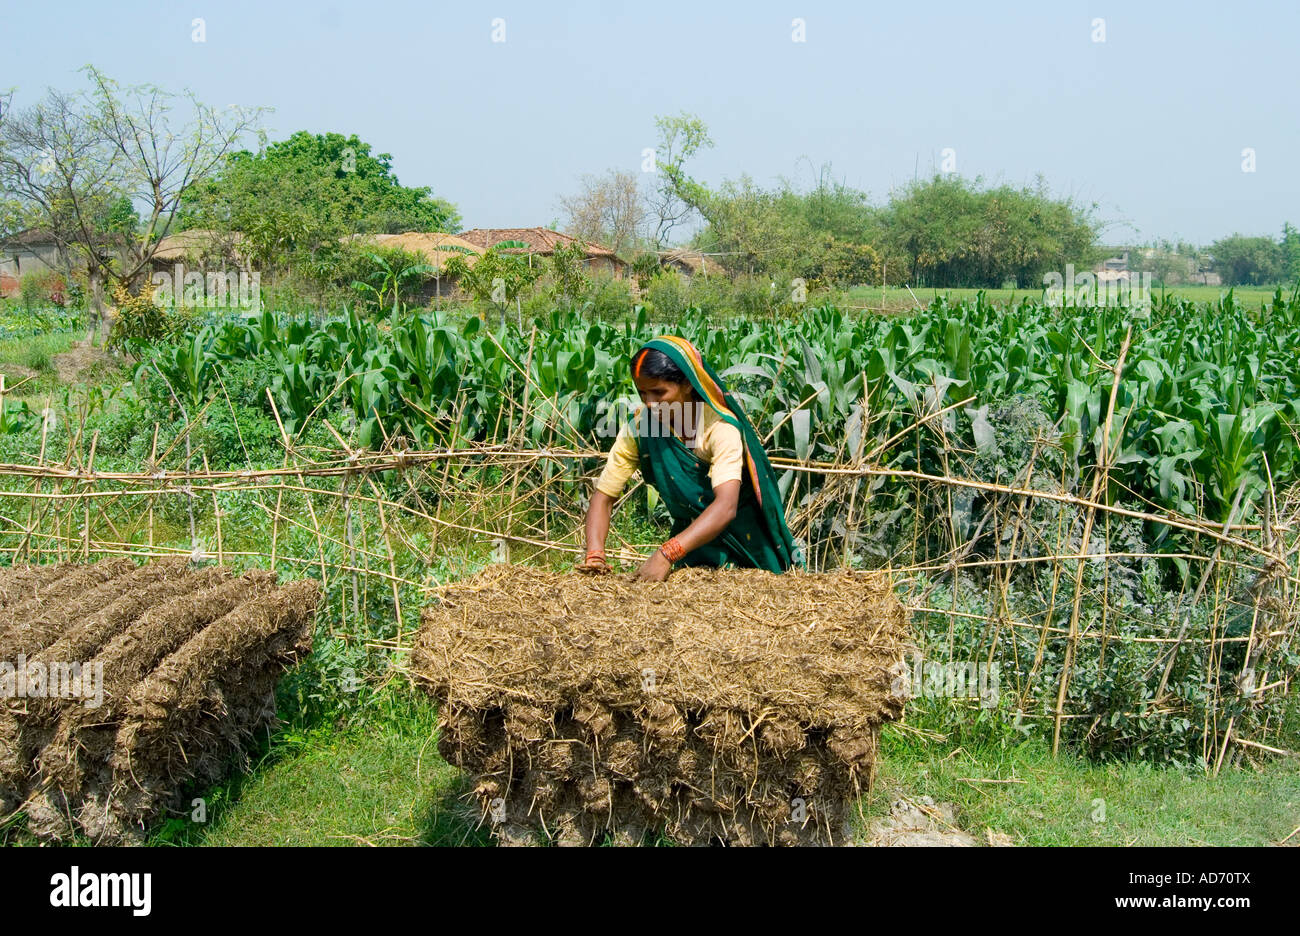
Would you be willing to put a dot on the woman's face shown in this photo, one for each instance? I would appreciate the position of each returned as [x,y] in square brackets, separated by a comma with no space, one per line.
[654,391]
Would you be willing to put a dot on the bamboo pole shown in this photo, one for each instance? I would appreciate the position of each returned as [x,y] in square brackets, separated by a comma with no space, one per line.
[216,515]
[85,550]
[1102,474]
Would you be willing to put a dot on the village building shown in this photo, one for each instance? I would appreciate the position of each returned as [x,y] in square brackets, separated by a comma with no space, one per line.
[690,263]
[542,243]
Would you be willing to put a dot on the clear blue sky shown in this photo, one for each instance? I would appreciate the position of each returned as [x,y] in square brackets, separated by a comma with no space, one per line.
[1150,124]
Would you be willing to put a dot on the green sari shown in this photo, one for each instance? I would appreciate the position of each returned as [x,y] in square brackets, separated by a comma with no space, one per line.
[758,537]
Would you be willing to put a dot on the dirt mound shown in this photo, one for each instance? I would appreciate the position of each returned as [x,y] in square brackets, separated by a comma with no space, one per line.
[920,824]
[734,706]
[82,363]
[103,748]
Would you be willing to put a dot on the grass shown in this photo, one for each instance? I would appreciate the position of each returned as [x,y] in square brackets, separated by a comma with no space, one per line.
[371,783]
[1071,801]
[28,363]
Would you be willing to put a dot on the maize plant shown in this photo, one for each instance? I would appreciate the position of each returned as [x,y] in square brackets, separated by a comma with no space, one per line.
[1205,415]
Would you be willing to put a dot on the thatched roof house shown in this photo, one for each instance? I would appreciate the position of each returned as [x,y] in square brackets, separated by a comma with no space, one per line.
[200,246]
[689,262]
[542,242]
[436,248]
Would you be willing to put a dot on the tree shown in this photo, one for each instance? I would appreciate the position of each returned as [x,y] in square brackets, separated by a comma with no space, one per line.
[943,231]
[1290,253]
[839,263]
[568,283]
[300,195]
[835,208]
[496,277]
[676,196]
[121,218]
[956,233]
[754,229]
[11,213]
[1247,261]
[60,175]
[70,160]
[607,210]
[159,166]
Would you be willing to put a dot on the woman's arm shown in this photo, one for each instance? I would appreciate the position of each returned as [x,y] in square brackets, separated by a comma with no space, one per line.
[598,513]
[623,460]
[705,528]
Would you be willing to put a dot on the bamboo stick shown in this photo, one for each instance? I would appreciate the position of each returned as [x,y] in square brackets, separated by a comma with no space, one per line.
[1102,473]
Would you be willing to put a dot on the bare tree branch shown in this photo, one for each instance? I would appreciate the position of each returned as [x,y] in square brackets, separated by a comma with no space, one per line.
[608,210]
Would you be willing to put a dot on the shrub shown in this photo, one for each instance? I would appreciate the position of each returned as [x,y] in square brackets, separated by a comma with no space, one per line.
[712,294]
[43,288]
[38,358]
[31,290]
[839,263]
[667,294]
[140,323]
[609,297]
[76,296]
[645,266]
[759,295]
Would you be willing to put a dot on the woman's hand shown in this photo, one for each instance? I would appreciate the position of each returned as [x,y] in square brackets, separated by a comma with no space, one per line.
[654,569]
[593,565]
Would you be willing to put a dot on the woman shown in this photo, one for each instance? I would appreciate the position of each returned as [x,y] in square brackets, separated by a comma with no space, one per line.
[693,444]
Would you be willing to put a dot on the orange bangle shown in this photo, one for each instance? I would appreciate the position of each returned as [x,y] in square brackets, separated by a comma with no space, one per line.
[595,554]
[673,550]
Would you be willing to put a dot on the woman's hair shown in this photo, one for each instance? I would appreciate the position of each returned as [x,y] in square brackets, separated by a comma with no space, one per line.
[656,364]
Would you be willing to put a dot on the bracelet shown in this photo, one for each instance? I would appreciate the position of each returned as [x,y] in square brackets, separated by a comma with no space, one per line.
[673,550]
[596,554]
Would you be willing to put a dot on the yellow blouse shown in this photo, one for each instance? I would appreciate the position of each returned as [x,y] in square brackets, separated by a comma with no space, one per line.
[717,443]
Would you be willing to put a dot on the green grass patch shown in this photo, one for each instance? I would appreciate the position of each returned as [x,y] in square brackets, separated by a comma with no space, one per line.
[382,782]
[378,784]
[28,362]
[1068,800]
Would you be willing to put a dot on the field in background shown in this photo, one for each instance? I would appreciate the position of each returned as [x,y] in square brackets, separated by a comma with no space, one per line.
[898,299]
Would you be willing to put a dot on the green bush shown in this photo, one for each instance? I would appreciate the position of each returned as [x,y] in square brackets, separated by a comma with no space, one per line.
[644,267]
[667,295]
[610,298]
[381,275]
[32,291]
[76,296]
[38,359]
[712,294]
[140,323]
[760,296]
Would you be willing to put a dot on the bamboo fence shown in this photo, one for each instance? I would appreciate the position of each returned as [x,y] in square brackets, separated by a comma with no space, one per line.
[377,521]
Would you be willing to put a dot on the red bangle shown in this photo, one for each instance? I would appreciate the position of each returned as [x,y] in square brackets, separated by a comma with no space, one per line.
[595,554]
[672,550]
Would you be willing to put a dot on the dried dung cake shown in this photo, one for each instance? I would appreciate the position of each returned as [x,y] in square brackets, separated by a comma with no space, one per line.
[176,671]
[731,706]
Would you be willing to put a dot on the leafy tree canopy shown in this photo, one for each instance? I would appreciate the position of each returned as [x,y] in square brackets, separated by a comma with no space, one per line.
[955,232]
[1248,261]
[309,190]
